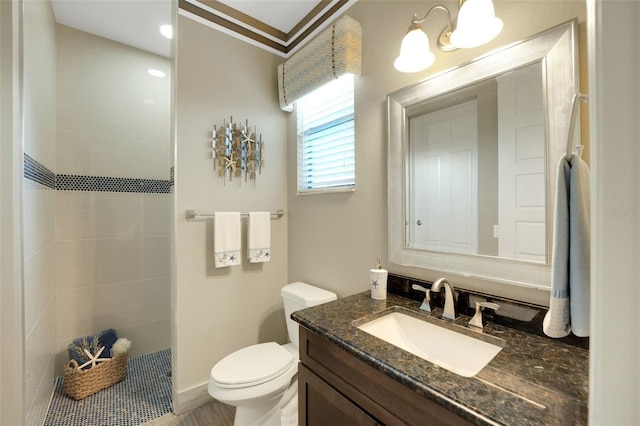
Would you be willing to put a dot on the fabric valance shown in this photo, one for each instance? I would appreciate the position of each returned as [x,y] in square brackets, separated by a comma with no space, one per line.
[334,52]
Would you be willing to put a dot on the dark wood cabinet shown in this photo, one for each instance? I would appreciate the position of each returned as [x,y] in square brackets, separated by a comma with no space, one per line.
[336,388]
[326,406]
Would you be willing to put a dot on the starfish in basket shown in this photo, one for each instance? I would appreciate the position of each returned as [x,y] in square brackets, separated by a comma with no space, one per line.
[93,359]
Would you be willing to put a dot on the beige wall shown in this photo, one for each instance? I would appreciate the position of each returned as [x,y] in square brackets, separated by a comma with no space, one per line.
[334,239]
[39,209]
[217,311]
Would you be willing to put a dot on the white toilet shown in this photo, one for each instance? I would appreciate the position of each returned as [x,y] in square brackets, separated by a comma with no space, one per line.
[260,380]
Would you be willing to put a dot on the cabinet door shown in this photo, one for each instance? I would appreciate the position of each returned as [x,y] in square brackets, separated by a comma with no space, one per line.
[321,405]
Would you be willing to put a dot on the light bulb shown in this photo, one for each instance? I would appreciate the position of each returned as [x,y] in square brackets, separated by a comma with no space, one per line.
[477,24]
[414,52]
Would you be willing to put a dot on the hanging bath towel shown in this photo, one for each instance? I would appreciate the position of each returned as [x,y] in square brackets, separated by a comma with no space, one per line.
[580,246]
[570,263]
[259,237]
[557,321]
[226,239]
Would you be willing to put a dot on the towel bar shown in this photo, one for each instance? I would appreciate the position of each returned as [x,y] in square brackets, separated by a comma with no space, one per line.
[192,214]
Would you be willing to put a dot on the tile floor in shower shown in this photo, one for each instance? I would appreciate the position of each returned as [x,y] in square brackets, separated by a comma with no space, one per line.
[143,397]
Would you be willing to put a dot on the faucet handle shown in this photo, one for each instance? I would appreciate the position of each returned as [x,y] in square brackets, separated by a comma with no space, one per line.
[477,320]
[426,303]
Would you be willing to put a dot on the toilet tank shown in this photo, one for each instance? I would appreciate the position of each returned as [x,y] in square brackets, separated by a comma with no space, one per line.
[297,296]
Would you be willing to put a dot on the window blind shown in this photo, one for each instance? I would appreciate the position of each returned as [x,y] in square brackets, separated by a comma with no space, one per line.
[334,52]
[326,137]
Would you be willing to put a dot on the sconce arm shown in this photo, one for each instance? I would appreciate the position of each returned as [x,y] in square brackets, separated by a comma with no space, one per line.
[444,42]
[416,21]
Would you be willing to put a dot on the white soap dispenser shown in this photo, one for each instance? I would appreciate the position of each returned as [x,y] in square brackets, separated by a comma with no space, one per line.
[378,280]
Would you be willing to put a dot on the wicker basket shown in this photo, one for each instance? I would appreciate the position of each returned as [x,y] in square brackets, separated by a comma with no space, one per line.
[79,384]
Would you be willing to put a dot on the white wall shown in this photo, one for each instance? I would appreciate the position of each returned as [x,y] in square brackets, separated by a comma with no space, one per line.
[336,238]
[614,107]
[39,208]
[11,309]
[113,267]
[217,311]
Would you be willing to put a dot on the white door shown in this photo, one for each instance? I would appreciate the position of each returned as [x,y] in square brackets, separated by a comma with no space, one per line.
[443,212]
[521,171]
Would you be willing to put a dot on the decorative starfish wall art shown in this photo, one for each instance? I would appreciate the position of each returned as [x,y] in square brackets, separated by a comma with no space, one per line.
[238,151]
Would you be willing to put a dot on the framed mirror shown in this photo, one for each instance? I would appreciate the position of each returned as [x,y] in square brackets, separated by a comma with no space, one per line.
[472,161]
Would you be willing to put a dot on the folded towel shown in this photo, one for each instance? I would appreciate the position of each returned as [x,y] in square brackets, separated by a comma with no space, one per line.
[106,338]
[226,239]
[259,237]
[570,263]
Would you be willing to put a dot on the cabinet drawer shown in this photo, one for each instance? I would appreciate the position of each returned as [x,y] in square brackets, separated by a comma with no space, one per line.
[322,405]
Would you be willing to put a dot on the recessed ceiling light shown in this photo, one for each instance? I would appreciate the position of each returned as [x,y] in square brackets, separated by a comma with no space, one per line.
[156,73]
[166,30]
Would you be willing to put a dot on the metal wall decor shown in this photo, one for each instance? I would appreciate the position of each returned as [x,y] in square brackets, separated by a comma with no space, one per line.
[237,151]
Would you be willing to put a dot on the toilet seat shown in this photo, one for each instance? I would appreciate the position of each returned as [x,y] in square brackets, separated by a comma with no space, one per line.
[252,366]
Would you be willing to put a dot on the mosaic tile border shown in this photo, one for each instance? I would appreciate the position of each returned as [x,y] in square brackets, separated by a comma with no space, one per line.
[37,172]
[111,184]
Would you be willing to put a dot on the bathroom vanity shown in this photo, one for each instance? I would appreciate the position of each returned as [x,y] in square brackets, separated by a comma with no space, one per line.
[347,376]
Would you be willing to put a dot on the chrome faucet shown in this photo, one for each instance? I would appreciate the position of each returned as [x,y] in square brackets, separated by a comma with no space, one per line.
[449,297]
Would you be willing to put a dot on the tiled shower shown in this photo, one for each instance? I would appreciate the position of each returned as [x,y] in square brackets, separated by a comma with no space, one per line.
[97,188]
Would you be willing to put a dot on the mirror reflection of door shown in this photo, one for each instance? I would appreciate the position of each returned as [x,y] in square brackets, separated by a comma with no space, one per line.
[521,149]
[443,211]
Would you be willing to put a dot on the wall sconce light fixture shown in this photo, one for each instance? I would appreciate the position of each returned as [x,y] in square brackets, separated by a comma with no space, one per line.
[476,25]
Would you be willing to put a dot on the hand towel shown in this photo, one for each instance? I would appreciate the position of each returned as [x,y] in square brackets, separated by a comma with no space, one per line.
[570,265]
[226,239]
[259,237]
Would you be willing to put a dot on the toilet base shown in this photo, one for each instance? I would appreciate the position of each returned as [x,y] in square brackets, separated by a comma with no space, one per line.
[270,414]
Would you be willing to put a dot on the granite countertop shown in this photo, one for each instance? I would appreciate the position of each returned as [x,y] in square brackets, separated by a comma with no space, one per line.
[534,380]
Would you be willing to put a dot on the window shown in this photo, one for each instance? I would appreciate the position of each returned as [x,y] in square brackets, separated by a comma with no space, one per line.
[326,138]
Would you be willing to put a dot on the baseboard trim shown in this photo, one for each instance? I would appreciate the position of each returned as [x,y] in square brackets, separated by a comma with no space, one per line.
[191,398]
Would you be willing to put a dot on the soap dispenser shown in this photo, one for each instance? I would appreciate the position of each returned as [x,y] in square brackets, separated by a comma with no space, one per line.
[378,280]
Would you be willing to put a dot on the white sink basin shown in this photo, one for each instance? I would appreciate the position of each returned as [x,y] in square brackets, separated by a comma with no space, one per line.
[457,352]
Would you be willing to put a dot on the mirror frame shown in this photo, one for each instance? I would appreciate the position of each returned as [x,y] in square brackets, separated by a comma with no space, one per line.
[557,50]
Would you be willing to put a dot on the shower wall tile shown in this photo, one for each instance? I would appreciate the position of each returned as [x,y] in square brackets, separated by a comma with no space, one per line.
[151,336]
[38,215]
[40,402]
[38,206]
[85,215]
[155,214]
[87,310]
[155,260]
[130,121]
[38,352]
[39,284]
[112,212]
[131,305]
[84,263]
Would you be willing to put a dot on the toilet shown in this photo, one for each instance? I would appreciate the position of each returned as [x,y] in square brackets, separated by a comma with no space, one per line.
[260,380]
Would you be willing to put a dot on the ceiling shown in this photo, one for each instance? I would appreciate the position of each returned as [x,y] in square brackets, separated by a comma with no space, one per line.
[280,26]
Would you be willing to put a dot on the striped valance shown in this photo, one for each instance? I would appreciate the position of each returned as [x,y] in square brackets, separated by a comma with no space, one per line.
[334,52]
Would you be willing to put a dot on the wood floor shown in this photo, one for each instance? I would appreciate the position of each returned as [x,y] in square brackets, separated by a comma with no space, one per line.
[212,414]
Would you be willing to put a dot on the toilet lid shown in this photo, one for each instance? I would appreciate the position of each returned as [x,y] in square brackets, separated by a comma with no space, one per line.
[252,365]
